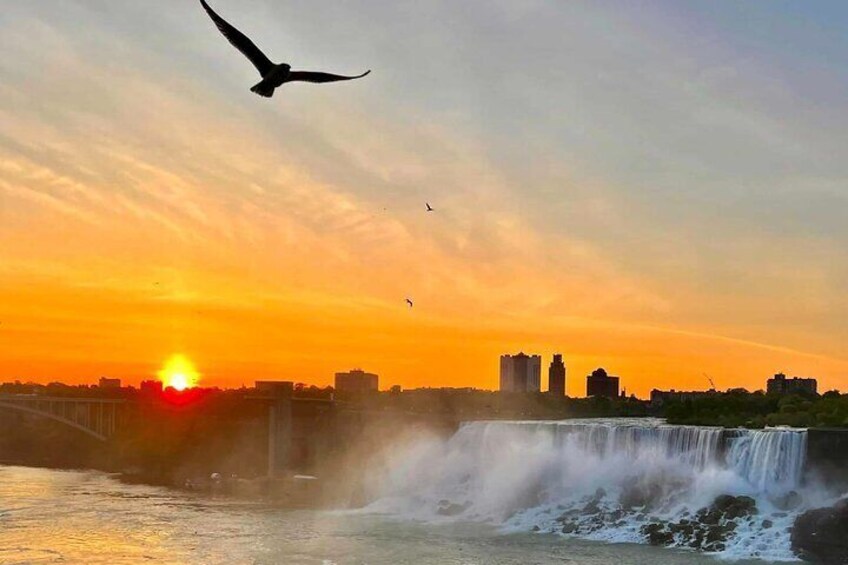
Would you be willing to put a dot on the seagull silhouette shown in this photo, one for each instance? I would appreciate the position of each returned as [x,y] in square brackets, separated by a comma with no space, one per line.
[409,301]
[429,208]
[273,75]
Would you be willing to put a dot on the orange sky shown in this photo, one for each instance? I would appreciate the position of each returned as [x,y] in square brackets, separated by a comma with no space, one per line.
[650,207]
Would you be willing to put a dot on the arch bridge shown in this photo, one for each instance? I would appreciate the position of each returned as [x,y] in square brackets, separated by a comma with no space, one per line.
[97,417]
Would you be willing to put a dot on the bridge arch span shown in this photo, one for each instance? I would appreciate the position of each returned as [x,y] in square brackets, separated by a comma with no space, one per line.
[34,407]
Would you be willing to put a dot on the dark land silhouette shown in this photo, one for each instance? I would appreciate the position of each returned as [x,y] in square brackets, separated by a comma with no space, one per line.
[166,436]
[182,437]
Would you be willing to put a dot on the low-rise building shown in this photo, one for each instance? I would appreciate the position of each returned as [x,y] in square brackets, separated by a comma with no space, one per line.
[779,384]
[357,380]
[151,387]
[660,397]
[599,383]
[275,388]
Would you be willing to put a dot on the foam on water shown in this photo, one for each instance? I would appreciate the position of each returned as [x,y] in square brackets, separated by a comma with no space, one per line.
[610,476]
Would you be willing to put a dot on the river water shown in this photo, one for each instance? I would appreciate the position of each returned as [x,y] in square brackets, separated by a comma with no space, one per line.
[494,493]
[49,516]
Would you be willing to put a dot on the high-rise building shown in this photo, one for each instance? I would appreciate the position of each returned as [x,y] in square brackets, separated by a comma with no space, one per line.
[521,373]
[779,384]
[601,384]
[106,382]
[356,380]
[556,376]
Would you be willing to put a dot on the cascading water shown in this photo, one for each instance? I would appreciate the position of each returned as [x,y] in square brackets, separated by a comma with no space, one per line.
[772,461]
[618,480]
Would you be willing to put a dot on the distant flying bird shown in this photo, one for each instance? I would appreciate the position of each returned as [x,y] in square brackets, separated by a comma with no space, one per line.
[409,301]
[273,75]
[429,208]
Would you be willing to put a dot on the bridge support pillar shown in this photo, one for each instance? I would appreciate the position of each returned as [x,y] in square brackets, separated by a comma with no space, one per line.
[279,428]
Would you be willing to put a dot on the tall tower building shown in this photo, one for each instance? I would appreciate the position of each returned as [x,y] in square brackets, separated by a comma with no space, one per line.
[521,373]
[556,376]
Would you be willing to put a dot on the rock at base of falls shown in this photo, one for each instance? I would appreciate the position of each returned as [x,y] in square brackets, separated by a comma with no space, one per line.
[710,528]
[821,535]
[731,507]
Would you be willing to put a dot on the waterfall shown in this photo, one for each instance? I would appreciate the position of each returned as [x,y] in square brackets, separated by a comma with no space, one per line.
[771,460]
[604,479]
[696,444]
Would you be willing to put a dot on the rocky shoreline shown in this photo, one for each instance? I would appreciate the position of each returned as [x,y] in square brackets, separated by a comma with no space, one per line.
[821,535]
[817,536]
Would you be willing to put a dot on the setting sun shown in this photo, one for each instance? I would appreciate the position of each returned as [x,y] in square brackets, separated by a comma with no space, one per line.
[179,373]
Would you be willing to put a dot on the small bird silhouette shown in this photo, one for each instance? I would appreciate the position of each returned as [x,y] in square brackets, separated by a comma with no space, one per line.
[273,75]
[429,208]
[409,301]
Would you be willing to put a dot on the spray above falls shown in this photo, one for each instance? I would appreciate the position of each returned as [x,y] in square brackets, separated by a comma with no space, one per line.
[734,492]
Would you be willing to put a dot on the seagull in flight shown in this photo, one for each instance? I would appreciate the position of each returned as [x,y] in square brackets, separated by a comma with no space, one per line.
[273,75]
[429,208]
[409,301]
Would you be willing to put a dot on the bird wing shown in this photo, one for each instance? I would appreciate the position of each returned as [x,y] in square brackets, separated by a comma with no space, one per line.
[240,41]
[309,76]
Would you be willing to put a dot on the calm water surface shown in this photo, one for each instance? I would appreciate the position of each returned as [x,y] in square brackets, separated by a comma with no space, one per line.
[49,516]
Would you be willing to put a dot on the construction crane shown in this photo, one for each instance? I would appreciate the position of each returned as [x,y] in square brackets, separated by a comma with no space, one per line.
[712,384]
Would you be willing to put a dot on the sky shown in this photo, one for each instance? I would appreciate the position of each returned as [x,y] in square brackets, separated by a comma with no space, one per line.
[657,188]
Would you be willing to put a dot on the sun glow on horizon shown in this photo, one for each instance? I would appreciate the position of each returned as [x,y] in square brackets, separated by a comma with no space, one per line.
[179,373]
